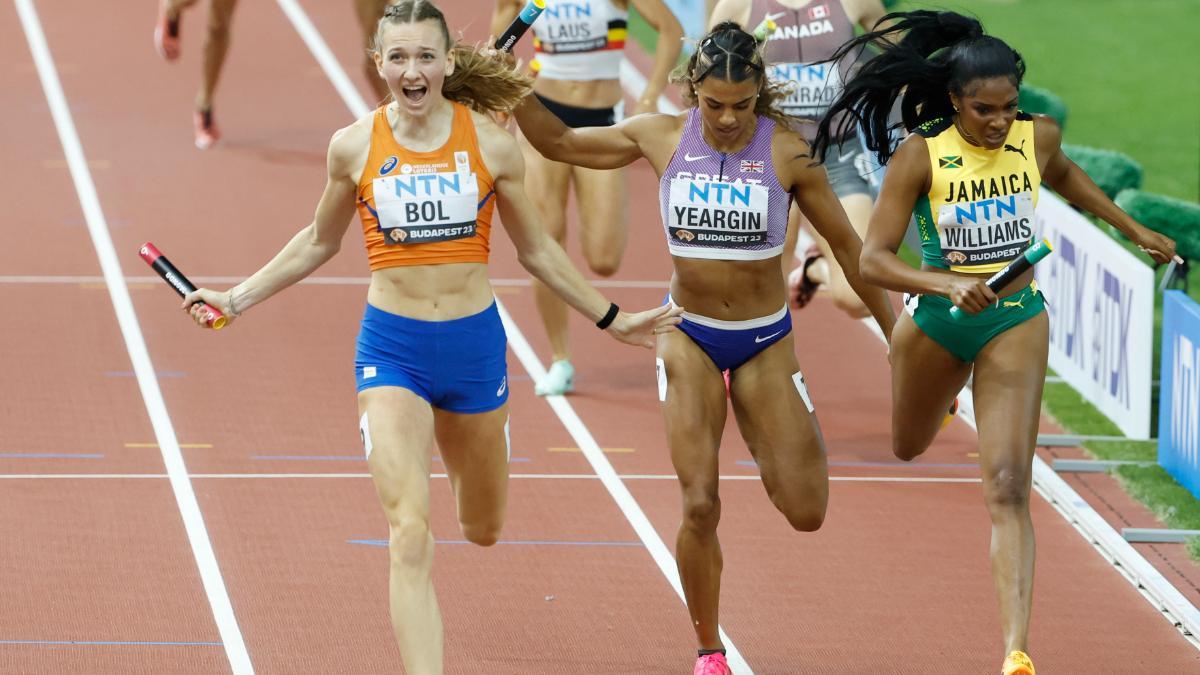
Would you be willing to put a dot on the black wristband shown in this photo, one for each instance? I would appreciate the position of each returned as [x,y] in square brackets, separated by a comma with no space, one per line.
[606,320]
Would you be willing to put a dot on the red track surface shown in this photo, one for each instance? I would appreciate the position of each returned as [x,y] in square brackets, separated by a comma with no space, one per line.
[895,581]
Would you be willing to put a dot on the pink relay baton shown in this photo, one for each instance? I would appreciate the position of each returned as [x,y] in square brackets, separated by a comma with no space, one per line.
[214,319]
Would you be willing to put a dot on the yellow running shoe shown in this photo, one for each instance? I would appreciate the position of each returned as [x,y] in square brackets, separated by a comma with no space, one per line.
[950,415]
[1017,663]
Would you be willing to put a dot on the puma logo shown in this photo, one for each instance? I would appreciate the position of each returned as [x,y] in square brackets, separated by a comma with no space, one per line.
[1015,303]
[1020,150]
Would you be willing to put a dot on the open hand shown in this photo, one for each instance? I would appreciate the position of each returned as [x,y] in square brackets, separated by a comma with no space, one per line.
[640,328]
[1157,245]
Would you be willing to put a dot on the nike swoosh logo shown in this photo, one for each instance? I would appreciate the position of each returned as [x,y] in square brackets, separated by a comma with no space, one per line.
[776,15]
[759,338]
[842,158]
[689,158]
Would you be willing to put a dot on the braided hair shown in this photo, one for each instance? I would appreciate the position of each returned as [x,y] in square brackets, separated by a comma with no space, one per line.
[731,54]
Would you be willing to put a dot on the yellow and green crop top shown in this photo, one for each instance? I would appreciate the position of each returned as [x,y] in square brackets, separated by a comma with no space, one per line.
[978,214]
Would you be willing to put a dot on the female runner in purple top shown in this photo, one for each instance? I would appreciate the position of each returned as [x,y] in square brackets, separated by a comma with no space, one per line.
[729,169]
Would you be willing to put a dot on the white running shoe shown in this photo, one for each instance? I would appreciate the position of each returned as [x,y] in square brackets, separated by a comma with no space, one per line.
[559,380]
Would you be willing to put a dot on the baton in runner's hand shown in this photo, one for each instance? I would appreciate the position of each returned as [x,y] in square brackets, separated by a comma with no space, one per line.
[1014,269]
[214,318]
[533,9]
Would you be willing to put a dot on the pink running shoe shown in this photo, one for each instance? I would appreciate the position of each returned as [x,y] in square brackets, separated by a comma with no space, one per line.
[712,664]
[207,133]
[166,34]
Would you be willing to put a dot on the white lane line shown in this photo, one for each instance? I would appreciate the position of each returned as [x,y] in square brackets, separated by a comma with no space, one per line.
[1111,546]
[189,509]
[583,438]
[310,281]
[515,476]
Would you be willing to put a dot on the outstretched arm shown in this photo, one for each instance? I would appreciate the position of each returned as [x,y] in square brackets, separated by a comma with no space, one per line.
[312,246]
[544,258]
[666,51]
[592,147]
[810,189]
[1077,187]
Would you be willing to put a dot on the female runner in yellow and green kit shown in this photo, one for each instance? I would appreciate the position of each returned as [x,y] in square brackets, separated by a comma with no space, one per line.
[969,173]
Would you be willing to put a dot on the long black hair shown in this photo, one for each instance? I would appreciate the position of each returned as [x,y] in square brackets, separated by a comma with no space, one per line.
[730,53]
[939,52]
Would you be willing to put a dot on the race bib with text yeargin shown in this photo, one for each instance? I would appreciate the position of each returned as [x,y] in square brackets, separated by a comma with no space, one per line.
[709,213]
[426,208]
[814,86]
[986,231]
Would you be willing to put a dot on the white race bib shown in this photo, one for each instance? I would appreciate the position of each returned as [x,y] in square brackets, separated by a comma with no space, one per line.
[987,230]
[814,86]
[710,213]
[425,208]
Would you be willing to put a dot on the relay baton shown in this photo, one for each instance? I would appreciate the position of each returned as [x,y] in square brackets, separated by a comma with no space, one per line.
[533,9]
[1014,269]
[214,318]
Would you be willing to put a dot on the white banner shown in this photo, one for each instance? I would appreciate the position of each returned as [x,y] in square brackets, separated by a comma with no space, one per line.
[1101,308]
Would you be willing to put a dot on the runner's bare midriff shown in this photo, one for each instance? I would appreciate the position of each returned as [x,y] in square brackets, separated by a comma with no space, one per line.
[432,292]
[728,290]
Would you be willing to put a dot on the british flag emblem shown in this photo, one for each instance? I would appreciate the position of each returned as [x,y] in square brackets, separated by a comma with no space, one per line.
[818,12]
[752,166]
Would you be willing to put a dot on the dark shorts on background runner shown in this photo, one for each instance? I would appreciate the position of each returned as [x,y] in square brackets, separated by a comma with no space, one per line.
[846,165]
[576,117]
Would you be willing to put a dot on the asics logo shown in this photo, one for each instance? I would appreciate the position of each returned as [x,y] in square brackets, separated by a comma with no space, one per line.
[759,338]
[687,157]
[503,386]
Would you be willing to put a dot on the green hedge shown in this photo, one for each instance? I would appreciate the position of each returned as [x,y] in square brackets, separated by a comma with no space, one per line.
[1043,101]
[1112,171]
[1175,218]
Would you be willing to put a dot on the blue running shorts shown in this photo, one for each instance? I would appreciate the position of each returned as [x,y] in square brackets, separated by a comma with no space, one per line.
[457,365]
[732,343]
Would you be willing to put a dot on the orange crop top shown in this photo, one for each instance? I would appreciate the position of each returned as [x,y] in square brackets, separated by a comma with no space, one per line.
[426,208]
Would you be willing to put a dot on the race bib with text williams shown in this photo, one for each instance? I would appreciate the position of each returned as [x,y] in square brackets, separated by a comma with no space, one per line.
[426,208]
[709,213]
[986,231]
[814,86]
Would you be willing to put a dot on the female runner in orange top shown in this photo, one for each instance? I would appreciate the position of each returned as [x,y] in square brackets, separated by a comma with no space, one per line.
[425,173]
